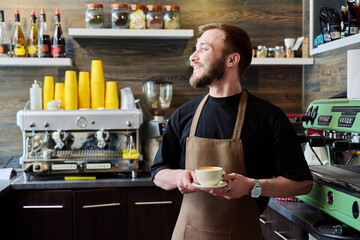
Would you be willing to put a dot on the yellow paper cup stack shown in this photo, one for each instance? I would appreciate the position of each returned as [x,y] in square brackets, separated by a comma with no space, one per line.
[84,90]
[97,85]
[111,96]
[70,88]
[48,90]
[59,94]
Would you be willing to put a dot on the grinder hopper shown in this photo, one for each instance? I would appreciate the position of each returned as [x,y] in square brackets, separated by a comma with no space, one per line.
[157,98]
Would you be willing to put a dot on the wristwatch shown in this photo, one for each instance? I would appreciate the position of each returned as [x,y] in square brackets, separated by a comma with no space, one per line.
[256,191]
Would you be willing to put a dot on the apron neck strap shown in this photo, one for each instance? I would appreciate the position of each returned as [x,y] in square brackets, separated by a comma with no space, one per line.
[239,118]
[240,115]
[197,116]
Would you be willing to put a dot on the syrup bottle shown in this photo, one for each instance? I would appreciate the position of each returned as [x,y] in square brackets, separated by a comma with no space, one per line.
[4,44]
[18,44]
[58,41]
[32,41]
[44,44]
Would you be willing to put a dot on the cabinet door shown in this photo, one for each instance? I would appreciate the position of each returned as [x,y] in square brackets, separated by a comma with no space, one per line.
[44,214]
[152,212]
[100,214]
[281,227]
[7,218]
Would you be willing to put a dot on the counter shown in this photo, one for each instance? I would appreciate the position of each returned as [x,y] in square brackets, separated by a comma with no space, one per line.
[299,213]
[20,184]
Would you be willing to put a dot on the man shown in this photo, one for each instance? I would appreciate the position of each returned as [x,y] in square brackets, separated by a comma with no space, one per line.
[250,138]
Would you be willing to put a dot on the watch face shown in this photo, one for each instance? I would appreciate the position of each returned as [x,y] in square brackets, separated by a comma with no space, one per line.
[256,192]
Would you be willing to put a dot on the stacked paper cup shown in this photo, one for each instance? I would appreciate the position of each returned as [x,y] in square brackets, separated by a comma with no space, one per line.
[59,94]
[84,90]
[111,96]
[70,89]
[97,85]
[48,94]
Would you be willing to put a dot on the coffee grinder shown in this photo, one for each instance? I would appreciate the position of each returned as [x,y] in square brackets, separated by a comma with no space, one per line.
[157,98]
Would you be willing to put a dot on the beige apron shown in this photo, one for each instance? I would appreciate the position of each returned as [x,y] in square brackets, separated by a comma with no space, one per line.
[204,216]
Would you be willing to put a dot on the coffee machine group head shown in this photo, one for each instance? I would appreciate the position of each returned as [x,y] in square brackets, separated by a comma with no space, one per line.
[157,99]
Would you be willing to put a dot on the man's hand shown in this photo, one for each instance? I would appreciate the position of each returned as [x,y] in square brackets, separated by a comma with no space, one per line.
[237,187]
[184,178]
[169,179]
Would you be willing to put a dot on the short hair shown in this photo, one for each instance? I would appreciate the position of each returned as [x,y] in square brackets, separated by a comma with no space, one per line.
[236,41]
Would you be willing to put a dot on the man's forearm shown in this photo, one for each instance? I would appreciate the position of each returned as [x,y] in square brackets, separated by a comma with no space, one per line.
[166,179]
[283,187]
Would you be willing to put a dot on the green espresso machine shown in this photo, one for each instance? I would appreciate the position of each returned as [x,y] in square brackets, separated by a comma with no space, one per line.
[336,189]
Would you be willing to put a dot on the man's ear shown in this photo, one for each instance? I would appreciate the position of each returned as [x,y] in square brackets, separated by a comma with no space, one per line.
[233,59]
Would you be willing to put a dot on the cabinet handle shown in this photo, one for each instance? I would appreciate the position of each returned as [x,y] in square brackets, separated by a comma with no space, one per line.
[43,206]
[264,221]
[154,203]
[281,236]
[101,205]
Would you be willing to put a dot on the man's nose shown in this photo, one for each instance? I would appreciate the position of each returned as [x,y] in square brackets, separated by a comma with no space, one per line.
[193,57]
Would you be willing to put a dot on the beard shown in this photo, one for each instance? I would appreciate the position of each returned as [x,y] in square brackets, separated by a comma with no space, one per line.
[211,73]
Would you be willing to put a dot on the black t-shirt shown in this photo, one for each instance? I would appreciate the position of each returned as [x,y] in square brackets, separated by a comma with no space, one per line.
[269,141]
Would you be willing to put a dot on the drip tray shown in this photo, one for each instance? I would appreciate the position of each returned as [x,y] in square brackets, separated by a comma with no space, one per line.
[327,228]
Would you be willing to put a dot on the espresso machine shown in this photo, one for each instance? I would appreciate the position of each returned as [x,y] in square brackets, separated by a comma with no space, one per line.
[336,189]
[157,99]
[80,142]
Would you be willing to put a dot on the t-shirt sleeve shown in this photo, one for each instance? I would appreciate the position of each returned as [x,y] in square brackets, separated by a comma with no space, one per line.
[168,155]
[289,160]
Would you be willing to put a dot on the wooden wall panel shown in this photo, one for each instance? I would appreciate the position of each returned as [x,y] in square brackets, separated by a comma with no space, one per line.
[131,62]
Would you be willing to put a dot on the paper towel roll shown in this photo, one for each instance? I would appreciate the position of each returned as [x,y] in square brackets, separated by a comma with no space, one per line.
[353,74]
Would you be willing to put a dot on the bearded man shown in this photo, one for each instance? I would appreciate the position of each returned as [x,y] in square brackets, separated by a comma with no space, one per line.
[251,139]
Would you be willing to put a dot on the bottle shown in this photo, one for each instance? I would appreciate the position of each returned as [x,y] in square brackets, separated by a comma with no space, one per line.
[58,40]
[35,96]
[44,41]
[32,41]
[18,44]
[4,44]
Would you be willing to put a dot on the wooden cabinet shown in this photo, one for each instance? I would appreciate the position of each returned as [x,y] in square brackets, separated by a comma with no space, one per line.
[152,213]
[99,214]
[110,213]
[276,227]
[43,214]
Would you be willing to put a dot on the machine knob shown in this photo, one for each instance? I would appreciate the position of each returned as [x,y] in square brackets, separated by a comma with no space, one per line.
[128,123]
[32,124]
[37,167]
[303,118]
[46,124]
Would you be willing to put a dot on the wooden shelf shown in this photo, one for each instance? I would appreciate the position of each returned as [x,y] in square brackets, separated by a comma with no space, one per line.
[36,62]
[132,33]
[282,61]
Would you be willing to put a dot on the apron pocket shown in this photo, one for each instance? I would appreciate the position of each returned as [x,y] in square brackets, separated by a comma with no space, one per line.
[193,233]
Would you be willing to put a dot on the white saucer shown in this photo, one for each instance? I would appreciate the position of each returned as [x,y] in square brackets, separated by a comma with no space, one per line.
[203,187]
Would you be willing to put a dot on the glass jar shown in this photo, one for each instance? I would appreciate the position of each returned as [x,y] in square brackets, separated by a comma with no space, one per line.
[119,16]
[137,16]
[154,17]
[270,53]
[261,52]
[279,52]
[171,17]
[94,16]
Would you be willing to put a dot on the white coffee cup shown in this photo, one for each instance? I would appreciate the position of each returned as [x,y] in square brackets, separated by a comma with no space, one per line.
[209,176]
